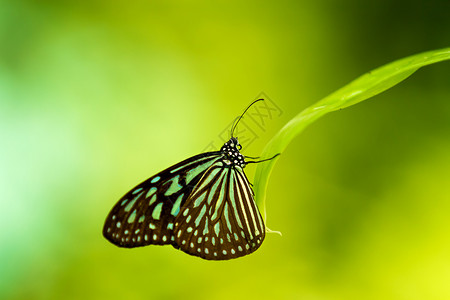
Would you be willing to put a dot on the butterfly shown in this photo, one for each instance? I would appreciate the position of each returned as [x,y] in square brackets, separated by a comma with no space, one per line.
[203,206]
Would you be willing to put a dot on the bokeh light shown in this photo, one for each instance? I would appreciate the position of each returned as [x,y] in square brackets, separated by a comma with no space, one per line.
[97,96]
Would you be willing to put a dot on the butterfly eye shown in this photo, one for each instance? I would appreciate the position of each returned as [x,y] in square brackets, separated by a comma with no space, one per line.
[240,147]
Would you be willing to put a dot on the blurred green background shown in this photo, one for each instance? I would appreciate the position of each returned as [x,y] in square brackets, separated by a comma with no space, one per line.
[96,96]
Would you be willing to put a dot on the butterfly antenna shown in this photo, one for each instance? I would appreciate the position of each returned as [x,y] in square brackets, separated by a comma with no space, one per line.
[235,124]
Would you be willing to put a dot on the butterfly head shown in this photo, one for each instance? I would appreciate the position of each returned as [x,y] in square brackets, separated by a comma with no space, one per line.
[231,154]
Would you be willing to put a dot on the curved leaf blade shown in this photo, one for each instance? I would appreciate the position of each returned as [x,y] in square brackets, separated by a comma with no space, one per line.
[362,88]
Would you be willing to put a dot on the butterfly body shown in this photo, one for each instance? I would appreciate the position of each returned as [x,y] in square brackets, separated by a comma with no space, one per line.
[203,206]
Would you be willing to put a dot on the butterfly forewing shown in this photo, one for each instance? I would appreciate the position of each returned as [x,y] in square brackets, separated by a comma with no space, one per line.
[220,219]
[146,214]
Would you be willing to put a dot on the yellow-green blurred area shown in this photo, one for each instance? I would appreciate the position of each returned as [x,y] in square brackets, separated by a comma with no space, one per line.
[96,96]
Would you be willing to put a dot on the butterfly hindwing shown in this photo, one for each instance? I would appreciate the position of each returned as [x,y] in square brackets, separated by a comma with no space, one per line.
[220,219]
[146,214]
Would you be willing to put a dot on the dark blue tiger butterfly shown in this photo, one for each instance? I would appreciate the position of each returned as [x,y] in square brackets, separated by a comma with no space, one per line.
[203,205]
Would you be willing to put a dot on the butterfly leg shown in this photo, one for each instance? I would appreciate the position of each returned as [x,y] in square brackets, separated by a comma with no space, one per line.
[251,157]
[254,162]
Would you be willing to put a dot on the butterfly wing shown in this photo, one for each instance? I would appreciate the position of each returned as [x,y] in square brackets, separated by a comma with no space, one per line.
[220,219]
[145,215]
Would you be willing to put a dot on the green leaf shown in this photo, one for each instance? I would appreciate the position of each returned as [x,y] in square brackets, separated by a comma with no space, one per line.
[362,88]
